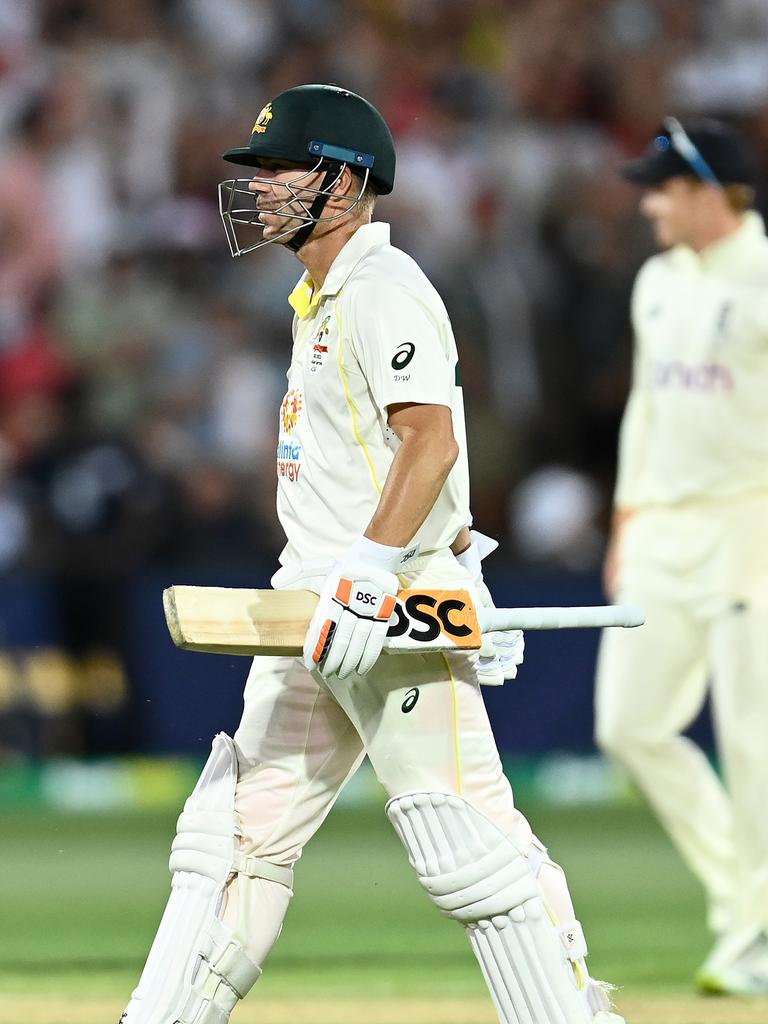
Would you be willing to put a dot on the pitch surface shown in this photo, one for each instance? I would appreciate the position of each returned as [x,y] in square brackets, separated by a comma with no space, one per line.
[81,896]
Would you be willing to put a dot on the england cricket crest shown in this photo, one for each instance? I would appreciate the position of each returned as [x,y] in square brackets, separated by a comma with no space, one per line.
[319,346]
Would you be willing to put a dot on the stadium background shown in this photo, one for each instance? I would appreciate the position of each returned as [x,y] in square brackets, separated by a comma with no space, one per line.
[140,373]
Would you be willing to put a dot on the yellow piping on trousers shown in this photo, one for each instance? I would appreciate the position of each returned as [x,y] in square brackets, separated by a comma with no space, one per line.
[404,583]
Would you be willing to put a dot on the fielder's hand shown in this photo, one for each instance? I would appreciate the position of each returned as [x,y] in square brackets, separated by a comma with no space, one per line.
[350,623]
[502,652]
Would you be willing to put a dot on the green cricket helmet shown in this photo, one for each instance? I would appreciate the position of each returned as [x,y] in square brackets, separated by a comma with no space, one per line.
[316,128]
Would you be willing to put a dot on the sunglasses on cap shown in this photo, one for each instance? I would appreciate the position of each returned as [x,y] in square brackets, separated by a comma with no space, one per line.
[680,141]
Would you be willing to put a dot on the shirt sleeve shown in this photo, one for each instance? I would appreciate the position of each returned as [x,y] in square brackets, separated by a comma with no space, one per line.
[401,346]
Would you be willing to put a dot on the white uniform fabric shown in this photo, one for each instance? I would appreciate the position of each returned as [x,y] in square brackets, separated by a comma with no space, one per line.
[694,464]
[695,426]
[422,722]
[376,334]
[420,718]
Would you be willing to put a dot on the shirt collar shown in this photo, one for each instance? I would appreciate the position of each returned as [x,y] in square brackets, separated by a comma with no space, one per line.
[725,249]
[304,299]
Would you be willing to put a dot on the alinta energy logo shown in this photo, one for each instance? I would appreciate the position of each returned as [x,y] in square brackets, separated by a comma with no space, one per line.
[288,450]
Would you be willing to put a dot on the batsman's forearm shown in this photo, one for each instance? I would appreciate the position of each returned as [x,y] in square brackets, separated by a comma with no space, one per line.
[415,479]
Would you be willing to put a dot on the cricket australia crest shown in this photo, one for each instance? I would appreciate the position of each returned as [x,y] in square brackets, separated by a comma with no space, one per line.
[262,121]
[319,346]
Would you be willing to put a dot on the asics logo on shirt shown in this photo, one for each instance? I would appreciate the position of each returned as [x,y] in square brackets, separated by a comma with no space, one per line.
[403,355]
[410,701]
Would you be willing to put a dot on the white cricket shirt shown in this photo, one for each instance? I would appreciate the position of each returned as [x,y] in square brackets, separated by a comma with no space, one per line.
[696,423]
[375,334]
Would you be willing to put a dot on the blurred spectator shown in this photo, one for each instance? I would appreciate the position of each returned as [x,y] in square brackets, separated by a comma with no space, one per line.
[14,522]
[216,525]
[113,324]
[246,388]
[137,93]
[509,119]
[114,275]
[238,34]
[592,239]
[554,519]
[97,508]
[29,257]
[97,513]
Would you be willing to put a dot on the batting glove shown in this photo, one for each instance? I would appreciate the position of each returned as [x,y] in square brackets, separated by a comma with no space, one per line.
[502,651]
[347,631]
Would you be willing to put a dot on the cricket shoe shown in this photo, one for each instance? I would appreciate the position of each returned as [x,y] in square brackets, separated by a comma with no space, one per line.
[738,966]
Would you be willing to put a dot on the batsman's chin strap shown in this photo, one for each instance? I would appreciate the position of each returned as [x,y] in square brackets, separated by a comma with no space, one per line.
[317,207]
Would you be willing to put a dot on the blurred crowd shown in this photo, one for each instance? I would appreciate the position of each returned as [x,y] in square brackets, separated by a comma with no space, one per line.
[141,368]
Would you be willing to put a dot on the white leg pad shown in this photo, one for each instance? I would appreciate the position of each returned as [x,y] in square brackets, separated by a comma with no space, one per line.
[197,969]
[476,875]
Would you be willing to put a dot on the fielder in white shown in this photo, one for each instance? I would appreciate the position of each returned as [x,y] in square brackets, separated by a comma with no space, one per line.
[372,494]
[691,535]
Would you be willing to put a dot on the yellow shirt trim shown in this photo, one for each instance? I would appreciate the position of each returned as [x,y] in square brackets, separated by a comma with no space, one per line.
[352,409]
[303,298]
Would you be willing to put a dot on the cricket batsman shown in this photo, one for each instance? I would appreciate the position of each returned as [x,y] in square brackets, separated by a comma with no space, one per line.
[690,534]
[373,495]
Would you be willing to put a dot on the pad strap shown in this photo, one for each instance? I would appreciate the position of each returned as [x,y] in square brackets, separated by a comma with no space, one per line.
[224,976]
[574,943]
[255,867]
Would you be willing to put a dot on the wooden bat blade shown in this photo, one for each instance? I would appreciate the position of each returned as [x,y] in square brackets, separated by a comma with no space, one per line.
[231,620]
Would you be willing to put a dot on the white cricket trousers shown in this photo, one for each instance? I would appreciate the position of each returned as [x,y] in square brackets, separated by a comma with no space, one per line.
[701,573]
[420,718]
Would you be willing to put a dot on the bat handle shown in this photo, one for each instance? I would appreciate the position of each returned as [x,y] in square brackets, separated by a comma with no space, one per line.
[590,617]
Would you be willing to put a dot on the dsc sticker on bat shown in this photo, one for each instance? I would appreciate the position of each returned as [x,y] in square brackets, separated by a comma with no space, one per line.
[427,616]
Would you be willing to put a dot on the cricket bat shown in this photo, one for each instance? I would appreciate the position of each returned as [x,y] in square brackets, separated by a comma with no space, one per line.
[230,620]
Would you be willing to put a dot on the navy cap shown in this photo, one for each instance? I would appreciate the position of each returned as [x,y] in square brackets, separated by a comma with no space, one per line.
[707,149]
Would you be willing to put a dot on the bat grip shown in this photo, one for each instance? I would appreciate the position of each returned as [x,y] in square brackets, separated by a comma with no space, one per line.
[590,617]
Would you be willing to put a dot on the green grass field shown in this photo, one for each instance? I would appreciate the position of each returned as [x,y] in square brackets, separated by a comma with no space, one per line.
[81,896]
